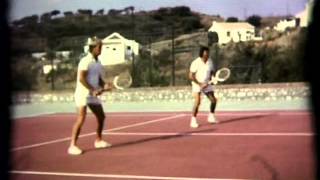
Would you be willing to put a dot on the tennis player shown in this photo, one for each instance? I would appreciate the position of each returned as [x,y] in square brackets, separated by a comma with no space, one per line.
[201,70]
[89,86]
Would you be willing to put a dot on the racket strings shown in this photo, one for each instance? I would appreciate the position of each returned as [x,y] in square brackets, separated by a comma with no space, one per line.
[123,81]
[223,74]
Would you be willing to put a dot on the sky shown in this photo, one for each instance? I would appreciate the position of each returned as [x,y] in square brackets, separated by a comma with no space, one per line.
[225,8]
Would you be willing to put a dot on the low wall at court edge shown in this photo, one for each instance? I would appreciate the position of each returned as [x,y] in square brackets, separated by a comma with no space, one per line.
[266,92]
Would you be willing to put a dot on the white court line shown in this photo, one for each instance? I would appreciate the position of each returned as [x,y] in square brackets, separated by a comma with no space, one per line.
[124,114]
[251,113]
[129,114]
[219,113]
[113,176]
[90,134]
[162,119]
[207,134]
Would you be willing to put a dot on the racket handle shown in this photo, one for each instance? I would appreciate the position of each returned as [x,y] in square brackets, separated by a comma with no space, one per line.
[108,86]
[214,81]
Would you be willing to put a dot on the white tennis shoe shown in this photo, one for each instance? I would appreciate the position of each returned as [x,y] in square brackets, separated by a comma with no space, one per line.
[74,150]
[194,123]
[101,144]
[212,118]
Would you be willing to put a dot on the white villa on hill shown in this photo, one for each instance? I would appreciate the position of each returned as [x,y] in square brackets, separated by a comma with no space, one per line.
[282,25]
[305,15]
[60,56]
[116,49]
[301,19]
[233,31]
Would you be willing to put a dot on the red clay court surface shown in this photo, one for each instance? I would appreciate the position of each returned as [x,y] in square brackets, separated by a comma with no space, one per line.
[161,146]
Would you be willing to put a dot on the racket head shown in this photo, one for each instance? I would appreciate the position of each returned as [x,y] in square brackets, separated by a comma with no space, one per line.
[122,81]
[222,74]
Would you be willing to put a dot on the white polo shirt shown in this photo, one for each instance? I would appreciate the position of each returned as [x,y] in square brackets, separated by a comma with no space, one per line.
[95,70]
[202,72]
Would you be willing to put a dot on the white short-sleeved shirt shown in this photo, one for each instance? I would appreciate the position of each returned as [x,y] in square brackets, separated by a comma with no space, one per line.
[95,71]
[202,72]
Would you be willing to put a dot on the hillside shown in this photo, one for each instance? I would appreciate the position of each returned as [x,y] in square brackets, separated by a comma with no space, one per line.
[70,31]
[153,29]
[246,58]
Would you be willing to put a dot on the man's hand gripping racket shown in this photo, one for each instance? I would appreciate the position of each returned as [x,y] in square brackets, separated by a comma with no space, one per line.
[221,75]
[122,81]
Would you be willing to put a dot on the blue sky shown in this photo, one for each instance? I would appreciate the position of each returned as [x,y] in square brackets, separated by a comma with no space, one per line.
[225,8]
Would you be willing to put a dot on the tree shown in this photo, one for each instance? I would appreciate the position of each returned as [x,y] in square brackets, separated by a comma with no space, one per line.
[161,13]
[68,13]
[30,20]
[25,71]
[100,12]
[114,12]
[45,17]
[55,12]
[212,38]
[181,11]
[128,10]
[254,20]
[232,19]
[151,69]
[87,12]
[190,23]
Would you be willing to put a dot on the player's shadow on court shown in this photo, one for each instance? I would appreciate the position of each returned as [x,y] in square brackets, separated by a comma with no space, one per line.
[182,134]
[156,138]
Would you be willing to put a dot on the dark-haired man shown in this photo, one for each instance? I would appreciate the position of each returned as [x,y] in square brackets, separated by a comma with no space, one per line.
[201,70]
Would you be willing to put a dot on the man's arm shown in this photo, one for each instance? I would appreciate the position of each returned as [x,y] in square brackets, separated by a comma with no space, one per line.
[101,82]
[192,77]
[212,73]
[104,86]
[84,82]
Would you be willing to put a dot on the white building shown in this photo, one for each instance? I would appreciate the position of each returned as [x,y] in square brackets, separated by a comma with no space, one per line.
[304,16]
[39,55]
[47,68]
[282,25]
[58,59]
[233,31]
[116,49]
[301,19]
[60,54]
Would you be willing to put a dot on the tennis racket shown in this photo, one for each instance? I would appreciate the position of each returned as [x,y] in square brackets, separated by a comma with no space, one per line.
[122,81]
[221,75]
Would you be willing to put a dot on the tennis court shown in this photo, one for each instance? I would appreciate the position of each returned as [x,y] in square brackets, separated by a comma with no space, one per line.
[246,144]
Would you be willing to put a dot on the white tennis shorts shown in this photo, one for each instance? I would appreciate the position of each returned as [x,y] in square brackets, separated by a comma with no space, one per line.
[84,100]
[196,88]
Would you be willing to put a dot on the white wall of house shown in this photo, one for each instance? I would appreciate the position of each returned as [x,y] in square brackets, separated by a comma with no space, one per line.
[116,49]
[61,54]
[233,31]
[305,15]
[38,55]
[282,25]
[48,67]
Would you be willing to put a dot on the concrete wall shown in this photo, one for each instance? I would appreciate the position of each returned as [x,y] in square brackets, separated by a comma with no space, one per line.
[265,92]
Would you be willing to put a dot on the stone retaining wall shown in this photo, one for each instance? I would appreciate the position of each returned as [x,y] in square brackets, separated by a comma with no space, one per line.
[267,92]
